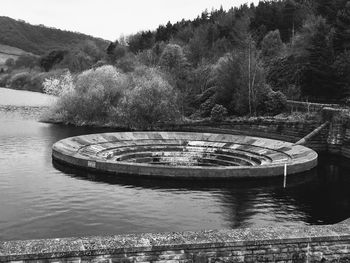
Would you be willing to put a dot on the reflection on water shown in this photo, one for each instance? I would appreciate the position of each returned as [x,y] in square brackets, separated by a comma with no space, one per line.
[40,199]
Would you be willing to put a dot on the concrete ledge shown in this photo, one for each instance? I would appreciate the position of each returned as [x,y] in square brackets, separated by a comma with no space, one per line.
[313,243]
[101,152]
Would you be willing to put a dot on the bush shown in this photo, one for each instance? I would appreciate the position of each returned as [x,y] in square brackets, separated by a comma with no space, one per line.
[206,107]
[93,98]
[20,81]
[4,79]
[150,102]
[272,102]
[59,85]
[218,113]
[105,96]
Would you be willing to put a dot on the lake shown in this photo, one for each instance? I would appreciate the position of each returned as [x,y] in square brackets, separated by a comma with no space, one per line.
[41,199]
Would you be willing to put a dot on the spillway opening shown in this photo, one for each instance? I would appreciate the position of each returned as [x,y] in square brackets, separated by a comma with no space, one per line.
[184,154]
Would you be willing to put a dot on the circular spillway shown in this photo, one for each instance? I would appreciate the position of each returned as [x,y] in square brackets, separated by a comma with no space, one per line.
[184,155]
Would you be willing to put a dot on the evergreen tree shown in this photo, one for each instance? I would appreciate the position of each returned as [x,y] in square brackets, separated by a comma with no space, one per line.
[271,45]
[318,76]
[342,29]
[342,69]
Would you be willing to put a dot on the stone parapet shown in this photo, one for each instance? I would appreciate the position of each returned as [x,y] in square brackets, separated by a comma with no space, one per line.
[273,244]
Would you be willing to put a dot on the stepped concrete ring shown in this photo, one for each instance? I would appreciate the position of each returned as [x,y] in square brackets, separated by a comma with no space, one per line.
[184,155]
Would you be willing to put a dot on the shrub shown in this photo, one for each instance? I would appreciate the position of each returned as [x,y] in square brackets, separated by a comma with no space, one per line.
[58,86]
[272,102]
[36,82]
[10,63]
[20,81]
[4,79]
[75,61]
[104,95]
[218,113]
[150,102]
[92,98]
[26,61]
[206,107]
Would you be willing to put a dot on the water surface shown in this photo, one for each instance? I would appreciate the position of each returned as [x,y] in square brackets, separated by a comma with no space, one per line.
[39,199]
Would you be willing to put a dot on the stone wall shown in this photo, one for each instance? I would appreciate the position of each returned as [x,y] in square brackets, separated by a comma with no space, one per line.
[290,131]
[308,106]
[275,244]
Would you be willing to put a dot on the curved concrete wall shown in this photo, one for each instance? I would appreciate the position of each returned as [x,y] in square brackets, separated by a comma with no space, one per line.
[85,152]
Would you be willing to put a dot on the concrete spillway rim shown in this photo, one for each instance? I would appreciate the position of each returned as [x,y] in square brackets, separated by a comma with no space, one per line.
[67,151]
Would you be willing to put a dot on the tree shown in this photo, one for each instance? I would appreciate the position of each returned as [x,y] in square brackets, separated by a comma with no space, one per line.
[173,58]
[141,41]
[271,45]
[238,77]
[26,61]
[52,58]
[329,8]
[341,67]
[317,77]
[284,74]
[90,48]
[288,19]
[10,62]
[150,102]
[174,62]
[76,61]
[342,29]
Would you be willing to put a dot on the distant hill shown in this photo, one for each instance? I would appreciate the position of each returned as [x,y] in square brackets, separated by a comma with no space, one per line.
[40,39]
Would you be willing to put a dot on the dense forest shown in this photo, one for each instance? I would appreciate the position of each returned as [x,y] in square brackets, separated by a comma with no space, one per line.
[298,47]
[247,60]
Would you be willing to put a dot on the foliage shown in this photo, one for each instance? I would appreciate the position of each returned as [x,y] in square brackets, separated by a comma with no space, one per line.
[54,57]
[40,39]
[271,45]
[173,58]
[127,63]
[10,62]
[141,99]
[26,61]
[238,77]
[59,86]
[272,102]
[93,97]
[141,41]
[115,52]
[206,107]
[150,102]
[218,113]
[4,78]
[284,74]
[317,75]
[342,32]
[341,68]
[223,57]
[20,81]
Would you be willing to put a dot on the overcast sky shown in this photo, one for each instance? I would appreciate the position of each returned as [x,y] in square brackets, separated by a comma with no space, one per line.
[109,19]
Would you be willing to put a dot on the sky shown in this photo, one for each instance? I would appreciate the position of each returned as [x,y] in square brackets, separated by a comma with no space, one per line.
[109,19]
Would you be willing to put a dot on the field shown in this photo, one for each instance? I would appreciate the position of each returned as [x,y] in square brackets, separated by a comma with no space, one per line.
[7,52]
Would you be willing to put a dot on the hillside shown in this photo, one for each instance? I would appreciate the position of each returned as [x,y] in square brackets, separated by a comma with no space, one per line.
[7,52]
[40,39]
